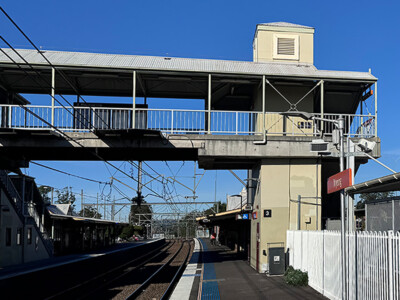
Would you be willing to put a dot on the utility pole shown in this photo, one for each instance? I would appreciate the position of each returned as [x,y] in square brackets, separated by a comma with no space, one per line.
[82,204]
[104,216]
[52,192]
[113,210]
[97,202]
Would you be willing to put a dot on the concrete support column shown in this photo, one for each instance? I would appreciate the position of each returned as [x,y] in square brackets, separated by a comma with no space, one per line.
[284,183]
[134,100]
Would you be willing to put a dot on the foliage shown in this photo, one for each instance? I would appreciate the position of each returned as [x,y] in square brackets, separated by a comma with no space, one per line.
[221,208]
[130,230]
[65,196]
[90,212]
[44,192]
[296,277]
[369,197]
[139,209]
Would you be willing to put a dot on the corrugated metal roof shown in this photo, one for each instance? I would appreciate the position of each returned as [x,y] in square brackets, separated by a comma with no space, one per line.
[156,63]
[286,24]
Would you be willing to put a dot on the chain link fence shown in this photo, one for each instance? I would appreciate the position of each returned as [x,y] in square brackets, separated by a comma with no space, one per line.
[383,215]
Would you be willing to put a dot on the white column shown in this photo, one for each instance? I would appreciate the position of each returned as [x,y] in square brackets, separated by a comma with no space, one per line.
[322,105]
[53,86]
[134,100]
[209,103]
[376,109]
[263,103]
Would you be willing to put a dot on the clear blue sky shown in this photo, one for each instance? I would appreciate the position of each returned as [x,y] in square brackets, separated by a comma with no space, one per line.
[350,35]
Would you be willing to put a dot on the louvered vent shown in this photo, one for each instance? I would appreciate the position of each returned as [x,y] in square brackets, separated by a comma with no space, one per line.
[286,46]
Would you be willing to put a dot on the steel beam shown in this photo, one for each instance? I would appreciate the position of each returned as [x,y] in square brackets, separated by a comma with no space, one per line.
[149,204]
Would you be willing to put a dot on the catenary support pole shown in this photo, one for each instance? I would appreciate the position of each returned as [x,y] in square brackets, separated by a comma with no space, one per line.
[82,204]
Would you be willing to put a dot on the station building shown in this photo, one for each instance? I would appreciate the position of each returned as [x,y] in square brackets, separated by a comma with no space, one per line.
[31,229]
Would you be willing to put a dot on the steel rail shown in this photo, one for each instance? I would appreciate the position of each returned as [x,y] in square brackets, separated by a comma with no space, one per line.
[102,275]
[140,289]
[176,276]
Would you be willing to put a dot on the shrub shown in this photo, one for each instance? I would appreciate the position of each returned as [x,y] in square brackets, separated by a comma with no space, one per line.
[296,277]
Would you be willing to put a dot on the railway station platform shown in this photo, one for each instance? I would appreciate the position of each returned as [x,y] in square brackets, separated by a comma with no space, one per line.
[227,276]
[26,268]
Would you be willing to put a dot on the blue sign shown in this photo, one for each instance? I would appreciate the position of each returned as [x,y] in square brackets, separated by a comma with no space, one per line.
[245,216]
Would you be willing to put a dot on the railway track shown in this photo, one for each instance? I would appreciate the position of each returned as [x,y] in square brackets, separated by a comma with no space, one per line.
[161,283]
[151,275]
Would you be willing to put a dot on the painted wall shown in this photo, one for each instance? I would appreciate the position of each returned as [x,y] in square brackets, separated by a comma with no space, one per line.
[24,252]
[281,181]
[263,45]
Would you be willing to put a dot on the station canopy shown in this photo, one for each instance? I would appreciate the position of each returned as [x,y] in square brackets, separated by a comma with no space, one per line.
[381,184]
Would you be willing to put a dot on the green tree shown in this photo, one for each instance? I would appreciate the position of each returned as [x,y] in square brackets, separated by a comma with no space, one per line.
[90,212]
[130,230]
[370,197]
[140,209]
[65,196]
[44,192]
[221,208]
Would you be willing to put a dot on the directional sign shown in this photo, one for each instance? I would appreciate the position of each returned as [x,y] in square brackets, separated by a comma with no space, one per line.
[339,181]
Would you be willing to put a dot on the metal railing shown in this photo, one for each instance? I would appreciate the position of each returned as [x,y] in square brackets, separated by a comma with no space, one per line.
[373,264]
[179,121]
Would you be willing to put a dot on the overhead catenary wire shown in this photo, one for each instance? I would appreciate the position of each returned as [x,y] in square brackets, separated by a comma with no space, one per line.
[80,97]
[48,61]
[69,174]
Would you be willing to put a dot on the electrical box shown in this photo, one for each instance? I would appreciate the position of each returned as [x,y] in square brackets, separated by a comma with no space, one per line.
[319,146]
[276,260]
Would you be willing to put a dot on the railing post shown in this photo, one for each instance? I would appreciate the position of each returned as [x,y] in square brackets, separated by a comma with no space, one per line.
[236,123]
[53,86]
[209,104]
[172,121]
[9,116]
[93,120]
[134,100]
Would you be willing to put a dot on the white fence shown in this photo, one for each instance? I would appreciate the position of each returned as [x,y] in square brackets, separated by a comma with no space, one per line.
[81,118]
[373,263]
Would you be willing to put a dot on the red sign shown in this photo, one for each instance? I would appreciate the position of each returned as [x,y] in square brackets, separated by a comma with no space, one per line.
[339,181]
